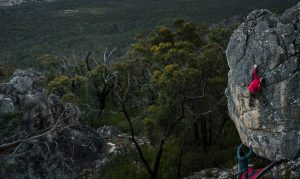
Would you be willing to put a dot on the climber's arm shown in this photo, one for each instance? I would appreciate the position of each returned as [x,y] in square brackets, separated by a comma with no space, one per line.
[250,152]
[238,152]
[255,72]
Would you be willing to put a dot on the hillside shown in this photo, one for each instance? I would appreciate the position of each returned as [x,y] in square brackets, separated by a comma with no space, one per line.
[17,2]
[31,30]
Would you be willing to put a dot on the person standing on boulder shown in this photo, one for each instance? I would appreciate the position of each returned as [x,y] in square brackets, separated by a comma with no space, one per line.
[242,159]
[255,86]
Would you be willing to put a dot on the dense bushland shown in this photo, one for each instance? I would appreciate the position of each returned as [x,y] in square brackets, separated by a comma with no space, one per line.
[169,88]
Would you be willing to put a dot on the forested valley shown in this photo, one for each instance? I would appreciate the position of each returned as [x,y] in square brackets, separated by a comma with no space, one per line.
[153,71]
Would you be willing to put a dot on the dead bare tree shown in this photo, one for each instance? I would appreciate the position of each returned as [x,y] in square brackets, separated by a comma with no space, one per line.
[104,81]
[96,68]
[33,136]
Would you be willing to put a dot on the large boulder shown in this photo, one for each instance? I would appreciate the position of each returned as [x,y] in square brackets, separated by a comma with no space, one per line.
[272,123]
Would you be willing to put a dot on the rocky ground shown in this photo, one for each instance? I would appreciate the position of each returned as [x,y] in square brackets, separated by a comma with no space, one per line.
[289,169]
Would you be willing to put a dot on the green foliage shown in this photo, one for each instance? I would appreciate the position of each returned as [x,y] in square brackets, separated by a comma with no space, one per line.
[69,97]
[80,85]
[193,159]
[174,72]
[125,167]
[72,89]
[61,85]
[170,81]
[6,70]
[161,35]
[117,119]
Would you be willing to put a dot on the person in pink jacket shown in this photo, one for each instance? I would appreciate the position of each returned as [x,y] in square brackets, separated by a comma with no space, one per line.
[255,86]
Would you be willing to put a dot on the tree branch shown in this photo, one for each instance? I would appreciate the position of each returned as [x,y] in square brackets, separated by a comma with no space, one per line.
[135,142]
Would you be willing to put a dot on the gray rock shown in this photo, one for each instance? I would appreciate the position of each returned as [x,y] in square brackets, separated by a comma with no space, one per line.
[272,124]
[60,147]
[6,105]
[21,82]
[108,131]
[288,169]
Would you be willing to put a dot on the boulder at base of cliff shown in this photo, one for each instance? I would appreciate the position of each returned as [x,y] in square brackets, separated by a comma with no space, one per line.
[272,122]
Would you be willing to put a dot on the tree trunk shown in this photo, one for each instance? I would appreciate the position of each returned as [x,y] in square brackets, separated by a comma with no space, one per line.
[180,158]
[196,131]
[210,131]
[204,133]
[158,157]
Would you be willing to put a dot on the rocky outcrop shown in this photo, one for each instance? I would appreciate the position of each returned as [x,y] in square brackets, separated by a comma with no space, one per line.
[272,123]
[40,137]
[36,110]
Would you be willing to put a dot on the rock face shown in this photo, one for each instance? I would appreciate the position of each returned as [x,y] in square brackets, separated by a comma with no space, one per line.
[272,122]
[40,137]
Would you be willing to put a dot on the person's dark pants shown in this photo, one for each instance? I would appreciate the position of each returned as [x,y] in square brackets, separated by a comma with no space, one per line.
[252,96]
[241,173]
[260,96]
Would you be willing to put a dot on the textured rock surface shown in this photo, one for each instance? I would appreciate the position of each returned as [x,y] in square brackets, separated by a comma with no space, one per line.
[272,124]
[40,137]
[6,105]
[290,169]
